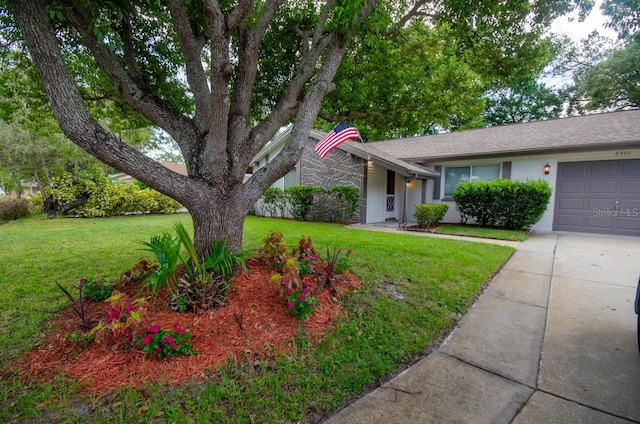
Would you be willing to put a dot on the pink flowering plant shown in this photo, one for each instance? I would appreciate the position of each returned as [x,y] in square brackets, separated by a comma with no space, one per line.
[301,302]
[165,344]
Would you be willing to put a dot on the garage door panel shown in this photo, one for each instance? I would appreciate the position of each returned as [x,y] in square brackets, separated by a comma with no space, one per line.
[570,220]
[577,169]
[599,197]
[604,169]
[602,186]
[571,204]
[600,203]
[630,187]
[599,222]
[577,187]
[631,168]
[631,224]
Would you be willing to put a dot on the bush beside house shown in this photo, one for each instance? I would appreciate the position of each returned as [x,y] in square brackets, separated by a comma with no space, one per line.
[338,203]
[430,214]
[514,205]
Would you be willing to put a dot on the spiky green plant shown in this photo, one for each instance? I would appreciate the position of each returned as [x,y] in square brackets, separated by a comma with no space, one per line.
[223,262]
[166,249]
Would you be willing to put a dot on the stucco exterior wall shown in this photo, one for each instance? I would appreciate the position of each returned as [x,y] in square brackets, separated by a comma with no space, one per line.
[531,168]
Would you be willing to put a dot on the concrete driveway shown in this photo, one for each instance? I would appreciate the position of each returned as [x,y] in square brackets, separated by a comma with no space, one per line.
[552,340]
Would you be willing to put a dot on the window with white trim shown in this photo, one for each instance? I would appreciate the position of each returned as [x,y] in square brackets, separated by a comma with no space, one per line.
[454,175]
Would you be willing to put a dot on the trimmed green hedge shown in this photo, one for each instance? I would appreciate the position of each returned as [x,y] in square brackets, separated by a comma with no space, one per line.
[430,214]
[503,203]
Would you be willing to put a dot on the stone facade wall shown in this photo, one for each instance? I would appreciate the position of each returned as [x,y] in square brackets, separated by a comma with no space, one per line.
[337,168]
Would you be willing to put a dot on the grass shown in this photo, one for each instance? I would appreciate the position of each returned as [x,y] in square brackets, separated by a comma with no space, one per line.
[438,278]
[483,232]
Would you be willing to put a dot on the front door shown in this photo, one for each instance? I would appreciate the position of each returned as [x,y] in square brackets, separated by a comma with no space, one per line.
[390,199]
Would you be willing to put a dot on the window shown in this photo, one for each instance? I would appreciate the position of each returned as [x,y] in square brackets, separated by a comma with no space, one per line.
[453,175]
[291,178]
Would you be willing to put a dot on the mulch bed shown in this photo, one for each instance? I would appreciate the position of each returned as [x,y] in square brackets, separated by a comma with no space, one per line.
[267,329]
[418,229]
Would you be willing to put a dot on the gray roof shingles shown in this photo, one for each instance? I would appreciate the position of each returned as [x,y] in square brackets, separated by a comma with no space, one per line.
[574,133]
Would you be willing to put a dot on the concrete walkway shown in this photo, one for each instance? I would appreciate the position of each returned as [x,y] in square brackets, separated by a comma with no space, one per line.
[552,340]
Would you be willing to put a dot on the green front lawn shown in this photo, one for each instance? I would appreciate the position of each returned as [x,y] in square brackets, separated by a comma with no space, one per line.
[438,279]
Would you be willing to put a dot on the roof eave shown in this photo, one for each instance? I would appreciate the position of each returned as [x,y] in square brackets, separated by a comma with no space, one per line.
[524,152]
[404,172]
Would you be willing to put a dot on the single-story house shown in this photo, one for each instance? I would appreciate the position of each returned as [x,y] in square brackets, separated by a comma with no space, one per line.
[592,162]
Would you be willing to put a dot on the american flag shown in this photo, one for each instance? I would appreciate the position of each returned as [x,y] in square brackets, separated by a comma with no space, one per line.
[341,133]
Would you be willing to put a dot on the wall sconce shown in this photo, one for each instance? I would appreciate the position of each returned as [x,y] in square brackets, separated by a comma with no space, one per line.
[547,169]
[408,183]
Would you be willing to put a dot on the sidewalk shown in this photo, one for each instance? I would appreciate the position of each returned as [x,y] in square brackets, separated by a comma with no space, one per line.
[552,340]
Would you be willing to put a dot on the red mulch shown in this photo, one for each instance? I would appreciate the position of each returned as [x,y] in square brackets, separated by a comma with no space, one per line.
[267,329]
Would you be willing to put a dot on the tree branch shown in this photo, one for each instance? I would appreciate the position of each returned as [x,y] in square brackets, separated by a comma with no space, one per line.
[287,105]
[130,61]
[305,117]
[75,120]
[250,39]
[413,12]
[238,14]
[191,49]
[221,71]
[134,92]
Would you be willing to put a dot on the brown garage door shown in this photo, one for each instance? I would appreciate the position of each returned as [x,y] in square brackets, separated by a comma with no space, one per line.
[598,197]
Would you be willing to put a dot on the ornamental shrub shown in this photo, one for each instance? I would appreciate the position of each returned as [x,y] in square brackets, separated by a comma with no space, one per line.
[347,201]
[274,201]
[12,208]
[503,203]
[109,199]
[430,214]
[301,199]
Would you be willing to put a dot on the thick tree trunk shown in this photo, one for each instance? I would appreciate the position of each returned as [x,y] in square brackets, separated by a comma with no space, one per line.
[215,221]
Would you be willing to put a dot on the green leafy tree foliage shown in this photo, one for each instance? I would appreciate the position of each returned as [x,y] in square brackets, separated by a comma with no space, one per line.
[523,101]
[32,145]
[405,83]
[612,84]
[624,17]
[611,79]
[221,78]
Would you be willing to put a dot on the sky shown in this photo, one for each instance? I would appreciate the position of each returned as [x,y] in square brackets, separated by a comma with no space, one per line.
[579,30]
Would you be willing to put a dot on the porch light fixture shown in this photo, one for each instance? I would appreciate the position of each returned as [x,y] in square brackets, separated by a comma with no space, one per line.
[547,169]
[408,183]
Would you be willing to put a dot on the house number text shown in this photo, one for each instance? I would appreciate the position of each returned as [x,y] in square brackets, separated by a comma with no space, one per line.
[623,153]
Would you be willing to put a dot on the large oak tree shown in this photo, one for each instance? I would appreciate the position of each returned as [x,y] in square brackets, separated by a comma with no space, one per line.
[222,77]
